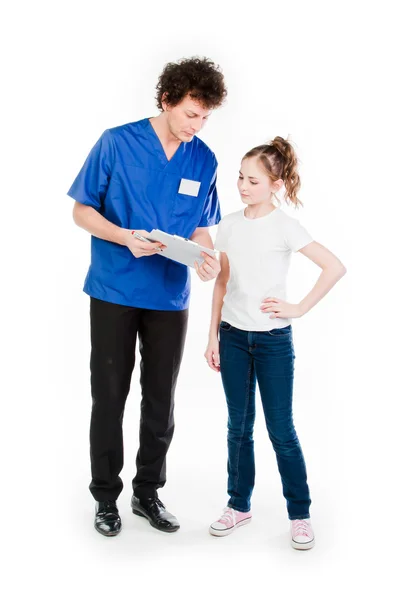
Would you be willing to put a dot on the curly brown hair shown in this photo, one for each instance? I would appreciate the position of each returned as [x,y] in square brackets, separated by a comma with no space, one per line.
[198,77]
[280,162]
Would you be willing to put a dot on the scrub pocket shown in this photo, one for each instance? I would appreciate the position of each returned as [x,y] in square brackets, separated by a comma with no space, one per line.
[187,207]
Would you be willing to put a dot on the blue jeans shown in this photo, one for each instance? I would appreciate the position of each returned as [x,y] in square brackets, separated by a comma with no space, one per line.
[268,358]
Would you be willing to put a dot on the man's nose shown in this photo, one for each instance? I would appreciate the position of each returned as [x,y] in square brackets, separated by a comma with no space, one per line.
[197,123]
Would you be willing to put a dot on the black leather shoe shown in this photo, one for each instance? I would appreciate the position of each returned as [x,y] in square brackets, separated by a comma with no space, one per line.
[107,520]
[155,512]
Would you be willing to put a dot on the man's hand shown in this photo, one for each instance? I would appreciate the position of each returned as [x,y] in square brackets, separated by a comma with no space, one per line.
[209,269]
[139,248]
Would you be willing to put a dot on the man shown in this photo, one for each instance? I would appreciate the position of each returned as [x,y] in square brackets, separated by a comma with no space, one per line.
[132,181]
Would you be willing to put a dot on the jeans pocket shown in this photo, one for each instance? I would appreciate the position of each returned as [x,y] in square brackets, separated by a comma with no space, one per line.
[281,332]
[225,326]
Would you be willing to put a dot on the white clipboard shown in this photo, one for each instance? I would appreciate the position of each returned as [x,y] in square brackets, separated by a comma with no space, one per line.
[180,249]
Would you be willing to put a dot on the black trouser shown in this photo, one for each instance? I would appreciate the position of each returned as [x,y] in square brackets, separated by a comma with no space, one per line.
[161,341]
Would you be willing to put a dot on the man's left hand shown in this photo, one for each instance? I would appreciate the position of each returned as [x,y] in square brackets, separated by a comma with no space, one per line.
[209,269]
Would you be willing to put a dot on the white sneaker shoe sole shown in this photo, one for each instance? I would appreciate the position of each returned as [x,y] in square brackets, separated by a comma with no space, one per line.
[223,532]
[303,545]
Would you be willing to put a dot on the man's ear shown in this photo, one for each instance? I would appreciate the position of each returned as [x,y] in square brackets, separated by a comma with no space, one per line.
[164,102]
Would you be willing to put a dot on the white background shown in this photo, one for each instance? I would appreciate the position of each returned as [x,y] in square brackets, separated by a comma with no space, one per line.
[323,73]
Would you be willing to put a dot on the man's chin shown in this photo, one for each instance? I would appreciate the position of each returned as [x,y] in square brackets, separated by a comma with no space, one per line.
[186,137]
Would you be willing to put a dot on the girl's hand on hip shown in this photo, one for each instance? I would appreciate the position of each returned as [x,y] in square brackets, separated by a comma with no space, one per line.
[279,309]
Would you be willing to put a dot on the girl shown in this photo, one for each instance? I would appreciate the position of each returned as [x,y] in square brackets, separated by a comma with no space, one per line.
[255,333]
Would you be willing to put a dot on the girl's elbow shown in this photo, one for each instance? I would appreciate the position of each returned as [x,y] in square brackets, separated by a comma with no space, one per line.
[341,271]
[336,270]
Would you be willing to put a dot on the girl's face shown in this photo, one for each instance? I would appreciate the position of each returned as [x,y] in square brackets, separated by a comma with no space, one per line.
[255,186]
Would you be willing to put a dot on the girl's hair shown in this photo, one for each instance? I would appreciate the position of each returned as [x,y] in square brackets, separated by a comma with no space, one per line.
[280,162]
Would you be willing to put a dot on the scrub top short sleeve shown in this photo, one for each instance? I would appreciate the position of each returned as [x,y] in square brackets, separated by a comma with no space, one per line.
[211,212]
[91,184]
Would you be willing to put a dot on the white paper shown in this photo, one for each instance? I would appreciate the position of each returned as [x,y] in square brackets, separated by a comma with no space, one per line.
[180,249]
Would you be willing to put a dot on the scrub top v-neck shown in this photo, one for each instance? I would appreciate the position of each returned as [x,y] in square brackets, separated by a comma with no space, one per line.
[158,147]
[128,178]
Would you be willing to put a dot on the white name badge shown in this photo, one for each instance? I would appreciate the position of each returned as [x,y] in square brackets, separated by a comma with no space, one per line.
[189,187]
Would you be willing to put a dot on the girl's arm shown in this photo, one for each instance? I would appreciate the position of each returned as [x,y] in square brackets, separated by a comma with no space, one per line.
[218,296]
[332,271]
[212,352]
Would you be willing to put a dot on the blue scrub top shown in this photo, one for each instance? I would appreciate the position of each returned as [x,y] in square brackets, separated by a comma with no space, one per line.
[129,180]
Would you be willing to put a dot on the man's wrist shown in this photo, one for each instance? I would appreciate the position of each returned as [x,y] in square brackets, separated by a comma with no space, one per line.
[123,236]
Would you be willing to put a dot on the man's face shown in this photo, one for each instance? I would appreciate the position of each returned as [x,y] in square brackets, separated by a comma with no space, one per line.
[186,118]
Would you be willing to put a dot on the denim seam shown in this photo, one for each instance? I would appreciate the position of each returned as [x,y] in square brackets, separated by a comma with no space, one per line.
[236,482]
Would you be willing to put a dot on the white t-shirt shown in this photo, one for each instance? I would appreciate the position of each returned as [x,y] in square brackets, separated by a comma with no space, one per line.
[259,253]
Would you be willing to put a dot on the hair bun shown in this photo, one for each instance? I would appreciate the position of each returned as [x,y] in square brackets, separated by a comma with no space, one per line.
[281,145]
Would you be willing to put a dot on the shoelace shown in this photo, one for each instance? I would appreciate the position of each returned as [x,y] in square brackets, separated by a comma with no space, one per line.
[109,509]
[301,527]
[157,502]
[228,517]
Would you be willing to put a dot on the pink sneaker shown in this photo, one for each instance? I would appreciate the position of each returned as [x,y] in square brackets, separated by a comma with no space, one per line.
[229,521]
[302,535]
